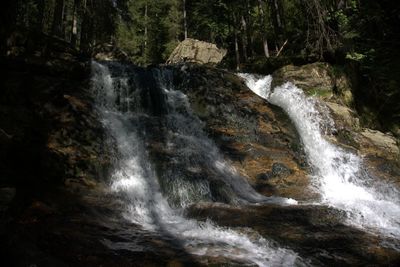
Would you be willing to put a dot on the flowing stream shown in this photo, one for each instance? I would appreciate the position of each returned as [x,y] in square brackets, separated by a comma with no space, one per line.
[129,100]
[337,175]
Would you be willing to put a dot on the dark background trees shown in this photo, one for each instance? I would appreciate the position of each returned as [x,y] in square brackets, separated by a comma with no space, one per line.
[149,29]
[259,34]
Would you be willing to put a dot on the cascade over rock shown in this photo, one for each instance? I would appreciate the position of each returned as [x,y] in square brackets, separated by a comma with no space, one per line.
[203,134]
[333,90]
[254,135]
[319,79]
[195,51]
[339,174]
[50,134]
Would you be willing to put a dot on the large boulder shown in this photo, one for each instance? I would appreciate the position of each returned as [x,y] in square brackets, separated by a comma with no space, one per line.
[319,79]
[192,50]
[384,142]
[308,77]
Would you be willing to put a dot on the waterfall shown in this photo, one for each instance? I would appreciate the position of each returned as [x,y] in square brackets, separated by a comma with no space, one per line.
[338,175]
[129,99]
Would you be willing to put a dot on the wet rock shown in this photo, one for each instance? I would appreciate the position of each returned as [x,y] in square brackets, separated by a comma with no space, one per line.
[84,231]
[66,217]
[278,170]
[252,134]
[264,176]
[281,170]
[316,233]
[52,136]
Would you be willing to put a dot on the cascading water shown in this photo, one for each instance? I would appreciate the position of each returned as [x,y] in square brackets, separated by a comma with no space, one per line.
[193,151]
[337,174]
[119,101]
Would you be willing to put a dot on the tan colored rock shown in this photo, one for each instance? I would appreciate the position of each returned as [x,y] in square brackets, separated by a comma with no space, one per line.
[192,50]
[343,89]
[382,141]
[343,116]
[315,76]
[317,79]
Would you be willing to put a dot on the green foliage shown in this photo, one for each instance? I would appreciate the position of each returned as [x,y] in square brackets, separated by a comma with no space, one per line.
[355,56]
[150,30]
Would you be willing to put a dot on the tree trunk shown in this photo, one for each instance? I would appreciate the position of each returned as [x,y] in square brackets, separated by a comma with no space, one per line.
[87,26]
[74,24]
[41,10]
[321,37]
[264,32]
[145,32]
[276,15]
[236,42]
[250,35]
[8,18]
[244,38]
[58,18]
[185,20]
[277,12]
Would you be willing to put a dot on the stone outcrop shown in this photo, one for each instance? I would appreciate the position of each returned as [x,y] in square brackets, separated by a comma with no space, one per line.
[318,79]
[315,76]
[54,167]
[258,138]
[343,116]
[314,231]
[50,131]
[384,142]
[333,89]
[195,51]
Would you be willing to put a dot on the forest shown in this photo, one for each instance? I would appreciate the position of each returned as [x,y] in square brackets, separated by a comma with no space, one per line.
[148,30]
[260,35]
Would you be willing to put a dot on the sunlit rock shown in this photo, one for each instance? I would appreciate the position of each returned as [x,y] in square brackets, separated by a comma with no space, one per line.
[195,51]
[317,79]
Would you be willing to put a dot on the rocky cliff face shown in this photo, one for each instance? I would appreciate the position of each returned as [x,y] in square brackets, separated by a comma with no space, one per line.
[263,145]
[256,137]
[53,153]
[55,162]
[318,79]
[334,89]
[50,132]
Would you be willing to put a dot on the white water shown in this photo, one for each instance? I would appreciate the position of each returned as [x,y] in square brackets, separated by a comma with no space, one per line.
[193,150]
[136,181]
[337,174]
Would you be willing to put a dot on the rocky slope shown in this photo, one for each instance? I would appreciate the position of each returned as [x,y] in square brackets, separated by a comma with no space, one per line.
[335,91]
[256,137]
[263,145]
[55,163]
